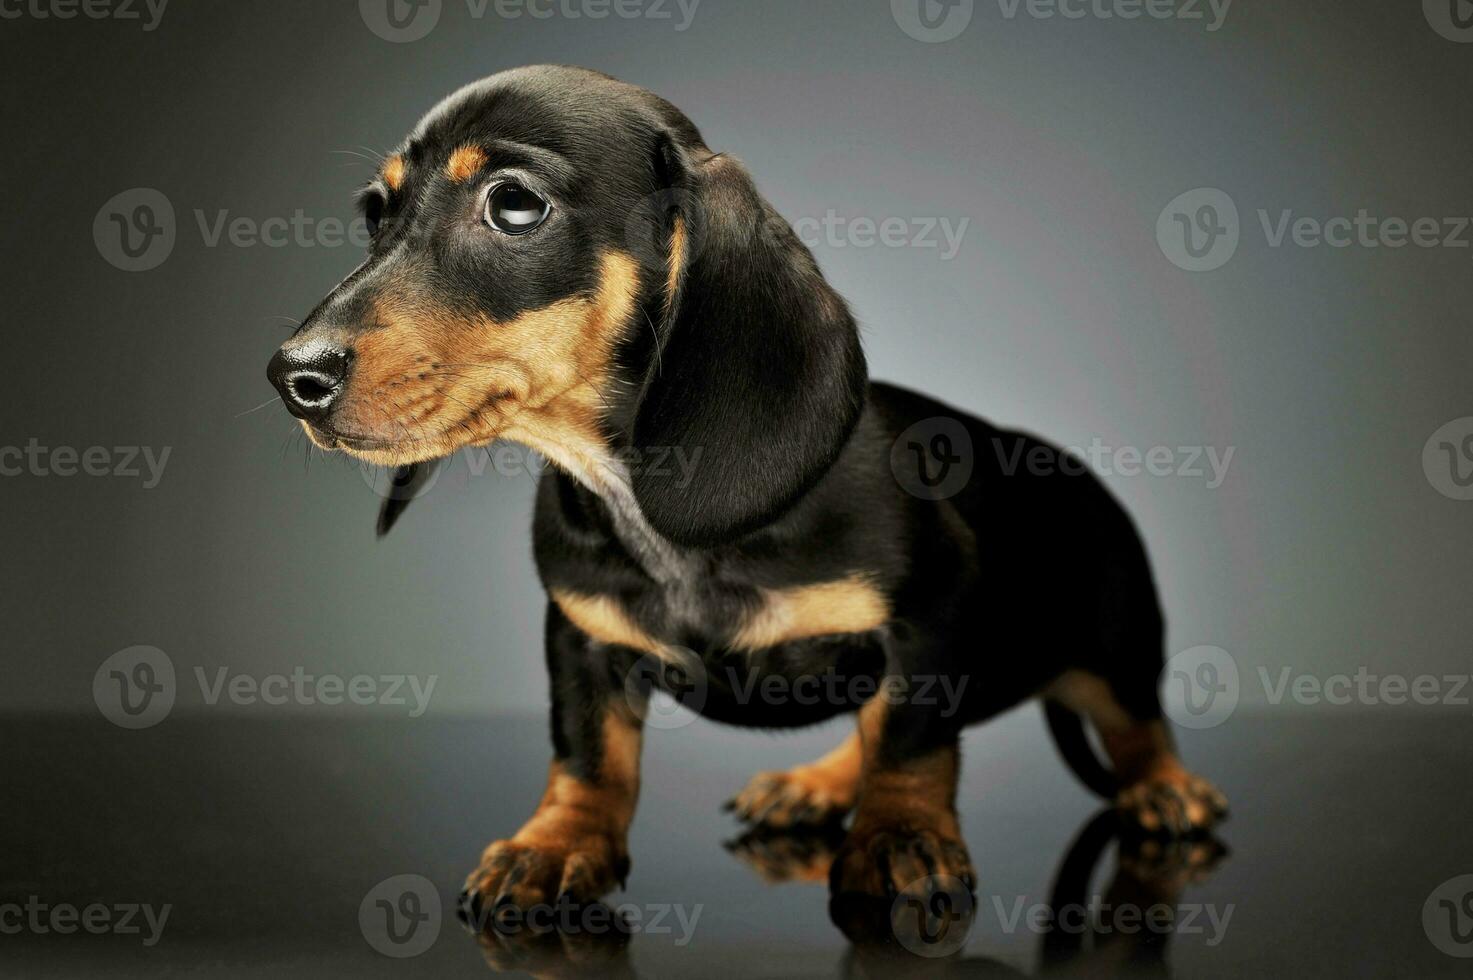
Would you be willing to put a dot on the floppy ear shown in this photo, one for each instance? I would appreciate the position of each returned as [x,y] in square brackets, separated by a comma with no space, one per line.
[405,483]
[760,378]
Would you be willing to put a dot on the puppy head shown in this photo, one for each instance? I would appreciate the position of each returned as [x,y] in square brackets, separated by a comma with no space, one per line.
[558,259]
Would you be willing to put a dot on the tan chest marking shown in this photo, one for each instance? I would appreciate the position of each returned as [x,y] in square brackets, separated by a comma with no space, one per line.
[848,605]
[603,618]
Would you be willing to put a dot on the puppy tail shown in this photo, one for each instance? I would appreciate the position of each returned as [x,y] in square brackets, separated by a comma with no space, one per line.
[1067,728]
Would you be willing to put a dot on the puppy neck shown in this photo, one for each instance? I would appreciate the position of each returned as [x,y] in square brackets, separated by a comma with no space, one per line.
[608,479]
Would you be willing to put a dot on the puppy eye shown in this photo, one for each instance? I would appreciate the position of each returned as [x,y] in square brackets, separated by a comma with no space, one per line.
[514,210]
[373,212]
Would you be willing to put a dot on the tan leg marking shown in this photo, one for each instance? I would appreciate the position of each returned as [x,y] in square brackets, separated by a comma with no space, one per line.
[576,843]
[905,834]
[820,792]
[1160,794]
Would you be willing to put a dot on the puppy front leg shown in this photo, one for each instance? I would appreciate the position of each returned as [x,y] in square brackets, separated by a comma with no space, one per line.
[905,836]
[575,846]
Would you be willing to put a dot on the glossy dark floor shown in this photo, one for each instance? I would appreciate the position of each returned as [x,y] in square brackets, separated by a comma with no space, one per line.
[270,844]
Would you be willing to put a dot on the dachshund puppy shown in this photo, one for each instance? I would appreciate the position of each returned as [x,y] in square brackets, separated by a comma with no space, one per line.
[558,259]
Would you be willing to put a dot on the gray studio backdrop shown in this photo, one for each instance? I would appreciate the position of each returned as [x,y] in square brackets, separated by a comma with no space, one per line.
[1182,241]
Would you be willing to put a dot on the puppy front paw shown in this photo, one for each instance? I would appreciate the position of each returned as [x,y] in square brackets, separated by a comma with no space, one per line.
[801,797]
[556,858]
[897,884]
[885,861]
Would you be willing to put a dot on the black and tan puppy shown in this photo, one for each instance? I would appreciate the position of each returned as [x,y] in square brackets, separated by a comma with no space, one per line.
[560,260]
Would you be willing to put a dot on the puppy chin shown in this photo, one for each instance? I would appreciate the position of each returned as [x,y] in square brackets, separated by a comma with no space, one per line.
[320,440]
[381,453]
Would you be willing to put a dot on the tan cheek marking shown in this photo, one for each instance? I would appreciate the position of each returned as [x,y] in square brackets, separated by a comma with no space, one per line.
[849,605]
[550,364]
[465,163]
[602,618]
[571,350]
[393,172]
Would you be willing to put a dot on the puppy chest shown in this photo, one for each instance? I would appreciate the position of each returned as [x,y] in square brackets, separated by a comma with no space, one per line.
[712,617]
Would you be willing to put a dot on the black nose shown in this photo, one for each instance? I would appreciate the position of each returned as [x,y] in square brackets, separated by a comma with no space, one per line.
[310,378]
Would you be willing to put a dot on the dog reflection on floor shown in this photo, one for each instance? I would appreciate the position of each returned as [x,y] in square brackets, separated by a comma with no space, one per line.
[924,934]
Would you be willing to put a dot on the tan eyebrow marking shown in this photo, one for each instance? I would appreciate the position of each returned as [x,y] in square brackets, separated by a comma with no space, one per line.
[394,172]
[465,163]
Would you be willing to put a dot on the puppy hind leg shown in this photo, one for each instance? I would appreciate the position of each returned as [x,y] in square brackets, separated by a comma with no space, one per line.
[1157,794]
